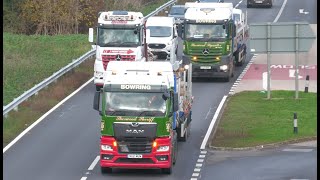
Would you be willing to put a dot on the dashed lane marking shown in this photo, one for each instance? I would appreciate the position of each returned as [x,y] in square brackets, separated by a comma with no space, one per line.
[93,164]
[297,150]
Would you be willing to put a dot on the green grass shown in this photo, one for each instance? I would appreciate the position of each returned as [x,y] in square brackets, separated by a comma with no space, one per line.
[148,9]
[28,60]
[249,119]
[36,106]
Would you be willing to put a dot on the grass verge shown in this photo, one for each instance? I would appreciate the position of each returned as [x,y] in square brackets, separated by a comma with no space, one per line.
[249,119]
[28,60]
[32,109]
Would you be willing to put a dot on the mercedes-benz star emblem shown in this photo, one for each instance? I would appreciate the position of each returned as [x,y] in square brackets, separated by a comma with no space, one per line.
[205,51]
[118,58]
[134,124]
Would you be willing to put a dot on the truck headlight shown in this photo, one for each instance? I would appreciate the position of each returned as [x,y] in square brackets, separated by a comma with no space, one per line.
[98,73]
[163,148]
[224,67]
[186,66]
[105,147]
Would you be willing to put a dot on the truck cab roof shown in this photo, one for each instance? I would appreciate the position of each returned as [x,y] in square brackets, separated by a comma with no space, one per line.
[160,21]
[215,11]
[152,73]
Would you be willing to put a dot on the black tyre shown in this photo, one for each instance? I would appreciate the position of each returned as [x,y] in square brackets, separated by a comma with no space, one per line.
[167,170]
[175,153]
[227,79]
[98,88]
[236,57]
[106,170]
[186,135]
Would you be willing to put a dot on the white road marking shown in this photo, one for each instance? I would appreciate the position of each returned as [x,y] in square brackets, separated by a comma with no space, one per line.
[83,178]
[292,74]
[196,170]
[93,164]
[199,165]
[238,4]
[213,121]
[43,116]
[61,114]
[202,156]
[200,160]
[301,11]
[203,152]
[193,179]
[208,113]
[280,12]
[195,174]
[298,150]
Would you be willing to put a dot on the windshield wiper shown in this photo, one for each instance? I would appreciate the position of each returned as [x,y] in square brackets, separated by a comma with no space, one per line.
[133,43]
[109,43]
[142,112]
[111,113]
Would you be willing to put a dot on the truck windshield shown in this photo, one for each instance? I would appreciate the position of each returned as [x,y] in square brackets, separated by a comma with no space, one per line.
[118,37]
[160,31]
[206,32]
[134,103]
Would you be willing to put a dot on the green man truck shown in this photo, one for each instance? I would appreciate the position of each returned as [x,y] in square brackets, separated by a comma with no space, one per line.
[145,110]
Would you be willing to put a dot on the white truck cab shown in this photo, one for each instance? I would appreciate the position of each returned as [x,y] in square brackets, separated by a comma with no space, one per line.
[163,35]
[119,38]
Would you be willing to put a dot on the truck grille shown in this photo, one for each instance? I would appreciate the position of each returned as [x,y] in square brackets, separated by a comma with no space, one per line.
[205,59]
[157,46]
[135,145]
[107,58]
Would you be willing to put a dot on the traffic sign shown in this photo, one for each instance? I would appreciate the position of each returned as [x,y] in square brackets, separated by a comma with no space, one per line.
[282,35]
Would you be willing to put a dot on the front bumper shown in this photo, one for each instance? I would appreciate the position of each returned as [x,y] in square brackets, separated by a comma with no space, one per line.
[148,161]
[213,72]
[259,3]
[161,52]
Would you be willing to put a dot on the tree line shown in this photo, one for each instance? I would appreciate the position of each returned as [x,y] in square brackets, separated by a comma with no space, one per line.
[53,17]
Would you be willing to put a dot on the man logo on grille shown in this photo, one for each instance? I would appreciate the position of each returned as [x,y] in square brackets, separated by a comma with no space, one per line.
[205,51]
[118,58]
[134,124]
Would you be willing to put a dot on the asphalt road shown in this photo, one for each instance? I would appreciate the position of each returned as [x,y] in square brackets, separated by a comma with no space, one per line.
[65,143]
[283,163]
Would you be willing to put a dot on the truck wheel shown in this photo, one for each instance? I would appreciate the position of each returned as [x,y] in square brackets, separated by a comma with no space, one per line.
[98,88]
[227,79]
[175,148]
[105,170]
[238,62]
[186,134]
[167,170]
[232,72]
